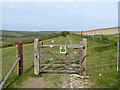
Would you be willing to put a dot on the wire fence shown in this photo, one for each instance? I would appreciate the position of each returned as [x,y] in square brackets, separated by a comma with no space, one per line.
[104,60]
[9,59]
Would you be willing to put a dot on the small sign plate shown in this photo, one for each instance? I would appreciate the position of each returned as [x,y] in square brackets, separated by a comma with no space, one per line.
[62,49]
[51,46]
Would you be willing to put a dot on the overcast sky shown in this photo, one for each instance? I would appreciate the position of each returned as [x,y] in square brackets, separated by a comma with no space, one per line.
[54,16]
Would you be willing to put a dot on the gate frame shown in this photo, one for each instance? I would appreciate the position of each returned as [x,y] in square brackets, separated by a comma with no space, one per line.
[83,50]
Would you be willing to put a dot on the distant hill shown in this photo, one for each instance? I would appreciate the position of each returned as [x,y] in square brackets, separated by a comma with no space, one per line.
[6,33]
[14,36]
[104,31]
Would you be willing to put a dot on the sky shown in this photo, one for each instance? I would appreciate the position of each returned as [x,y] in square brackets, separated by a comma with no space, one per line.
[58,16]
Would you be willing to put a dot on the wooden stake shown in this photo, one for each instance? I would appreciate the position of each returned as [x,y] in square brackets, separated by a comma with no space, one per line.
[20,55]
[36,56]
[81,33]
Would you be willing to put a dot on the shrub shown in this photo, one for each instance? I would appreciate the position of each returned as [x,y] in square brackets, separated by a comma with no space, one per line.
[64,33]
[9,44]
[105,39]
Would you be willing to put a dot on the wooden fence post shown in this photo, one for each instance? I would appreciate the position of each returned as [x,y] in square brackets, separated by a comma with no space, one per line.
[81,33]
[19,54]
[100,37]
[83,55]
[36,56]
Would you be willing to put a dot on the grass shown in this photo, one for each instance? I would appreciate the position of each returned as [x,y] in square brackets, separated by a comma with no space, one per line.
[98,62]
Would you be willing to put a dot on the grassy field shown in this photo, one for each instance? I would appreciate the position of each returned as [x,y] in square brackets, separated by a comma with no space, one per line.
[100,60]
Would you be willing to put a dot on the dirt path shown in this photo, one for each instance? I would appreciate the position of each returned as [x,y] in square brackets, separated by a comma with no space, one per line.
[56,81]
[35,83]
[69,39]
[76,81]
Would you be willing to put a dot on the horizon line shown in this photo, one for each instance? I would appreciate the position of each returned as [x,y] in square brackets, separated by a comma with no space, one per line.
[55,30]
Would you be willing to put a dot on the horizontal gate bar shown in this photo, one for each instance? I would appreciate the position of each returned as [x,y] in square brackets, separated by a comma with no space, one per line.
[76,46]
[60,71]
[73,65]
[63,59]
[68,46]
[59,52]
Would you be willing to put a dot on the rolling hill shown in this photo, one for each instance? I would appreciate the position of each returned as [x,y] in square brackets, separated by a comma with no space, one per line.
[14,36]
[104,31]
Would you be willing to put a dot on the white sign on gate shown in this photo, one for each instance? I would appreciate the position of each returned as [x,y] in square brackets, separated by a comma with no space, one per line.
[62,49]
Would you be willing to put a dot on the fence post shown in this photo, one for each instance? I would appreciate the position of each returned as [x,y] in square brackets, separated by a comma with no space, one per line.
[36,56]
[19,54]
[118,44]
[81,33]
[100,37]
[83,62]
[93,36]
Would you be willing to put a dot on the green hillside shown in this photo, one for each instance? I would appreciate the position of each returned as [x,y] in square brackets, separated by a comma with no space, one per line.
[9,37]
[101,65]
[14,36]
